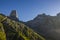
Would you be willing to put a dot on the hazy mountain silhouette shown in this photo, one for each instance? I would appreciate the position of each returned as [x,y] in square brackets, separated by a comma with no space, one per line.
[46,25]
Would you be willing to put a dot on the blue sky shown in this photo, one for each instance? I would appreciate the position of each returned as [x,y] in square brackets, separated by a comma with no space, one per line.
[29,9]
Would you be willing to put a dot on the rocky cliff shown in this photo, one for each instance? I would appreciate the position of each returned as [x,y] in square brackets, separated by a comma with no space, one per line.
[46,25]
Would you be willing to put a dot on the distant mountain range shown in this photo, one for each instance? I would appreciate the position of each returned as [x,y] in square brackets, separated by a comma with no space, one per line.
[46,25]
[13,29]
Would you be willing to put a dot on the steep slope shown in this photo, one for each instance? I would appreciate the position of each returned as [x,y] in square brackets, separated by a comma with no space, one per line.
[48,26]
[2,33]
[14,30]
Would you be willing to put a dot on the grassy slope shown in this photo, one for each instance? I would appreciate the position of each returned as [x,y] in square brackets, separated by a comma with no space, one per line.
[13,30]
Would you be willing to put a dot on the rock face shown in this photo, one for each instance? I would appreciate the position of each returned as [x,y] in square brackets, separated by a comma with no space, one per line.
[48,26]
[58,14]
[13,15]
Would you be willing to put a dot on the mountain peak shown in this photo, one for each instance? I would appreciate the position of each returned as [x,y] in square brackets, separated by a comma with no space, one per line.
[43,14]
[58,14]
[13,15]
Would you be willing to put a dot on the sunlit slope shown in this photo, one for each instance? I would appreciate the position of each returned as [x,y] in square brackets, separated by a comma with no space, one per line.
[14,30]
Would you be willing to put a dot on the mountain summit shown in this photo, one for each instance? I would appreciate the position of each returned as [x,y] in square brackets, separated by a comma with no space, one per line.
[13,15]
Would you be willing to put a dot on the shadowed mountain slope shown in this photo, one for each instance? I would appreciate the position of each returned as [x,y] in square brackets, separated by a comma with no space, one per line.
[46,25]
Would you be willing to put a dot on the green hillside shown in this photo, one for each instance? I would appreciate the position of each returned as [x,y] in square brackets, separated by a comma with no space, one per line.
[14,30]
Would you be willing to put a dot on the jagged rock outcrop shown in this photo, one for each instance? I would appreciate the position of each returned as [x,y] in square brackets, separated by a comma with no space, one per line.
[13,15]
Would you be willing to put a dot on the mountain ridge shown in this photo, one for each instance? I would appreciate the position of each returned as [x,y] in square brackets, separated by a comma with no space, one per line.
[46,25]
[14,30]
